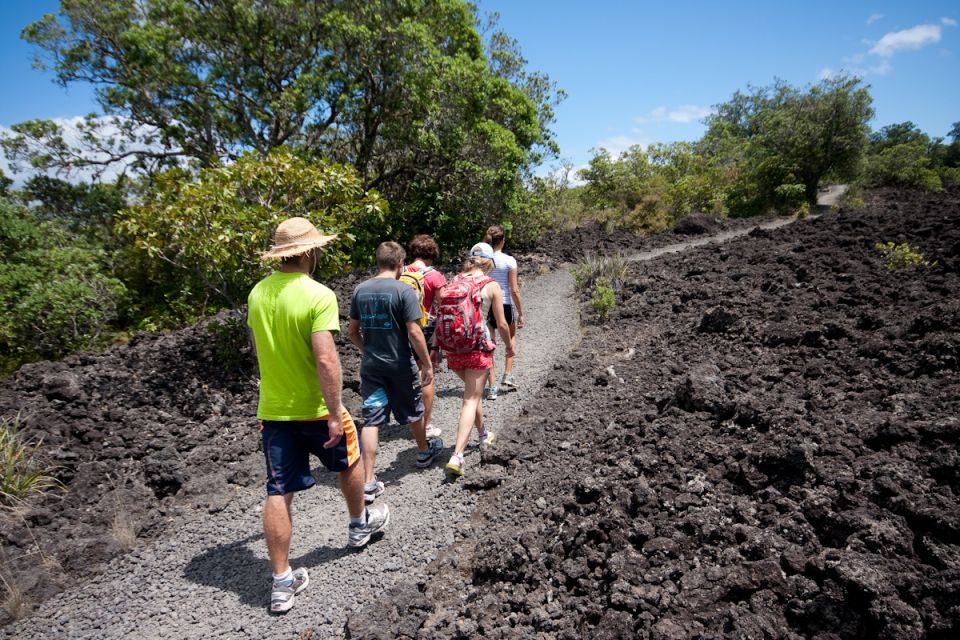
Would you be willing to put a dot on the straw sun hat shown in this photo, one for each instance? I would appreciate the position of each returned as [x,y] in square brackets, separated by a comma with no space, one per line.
[295,236]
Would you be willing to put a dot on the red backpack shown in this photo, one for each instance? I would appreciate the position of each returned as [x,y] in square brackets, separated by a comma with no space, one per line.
[460,324]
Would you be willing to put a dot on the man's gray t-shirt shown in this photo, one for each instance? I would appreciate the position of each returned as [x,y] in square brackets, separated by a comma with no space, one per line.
[384,306]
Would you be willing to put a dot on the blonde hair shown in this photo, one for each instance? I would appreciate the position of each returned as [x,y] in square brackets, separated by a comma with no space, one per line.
[477,262]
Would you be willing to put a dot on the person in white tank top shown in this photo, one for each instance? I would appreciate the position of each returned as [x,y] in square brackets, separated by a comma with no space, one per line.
[506,275]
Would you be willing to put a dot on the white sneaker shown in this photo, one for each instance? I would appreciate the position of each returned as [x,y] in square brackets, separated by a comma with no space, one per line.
[377,520]
[282,596]
[433,432]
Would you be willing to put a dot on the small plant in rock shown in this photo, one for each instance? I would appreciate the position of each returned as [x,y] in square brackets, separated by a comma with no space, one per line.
[22,470]
[14,600]
[594,268]
[603,299]
[903,256]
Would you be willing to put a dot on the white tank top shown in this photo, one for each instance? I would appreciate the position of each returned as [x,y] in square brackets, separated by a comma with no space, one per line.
[502,266]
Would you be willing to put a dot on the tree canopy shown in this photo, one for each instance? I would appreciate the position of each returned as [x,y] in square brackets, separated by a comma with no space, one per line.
[405,91]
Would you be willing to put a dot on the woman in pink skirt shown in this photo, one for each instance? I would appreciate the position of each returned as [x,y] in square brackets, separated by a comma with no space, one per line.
[472,367]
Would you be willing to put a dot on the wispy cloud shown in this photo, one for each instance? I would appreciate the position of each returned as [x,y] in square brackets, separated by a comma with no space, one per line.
[826,73]
[948,22]
[689,113]
[683,114]
[874,17]
[908,39]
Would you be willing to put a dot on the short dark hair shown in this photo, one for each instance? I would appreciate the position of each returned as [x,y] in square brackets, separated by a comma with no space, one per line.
[389,255]
[495,235]
[423,246]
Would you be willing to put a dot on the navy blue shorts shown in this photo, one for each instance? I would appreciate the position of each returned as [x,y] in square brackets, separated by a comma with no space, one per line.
[287,446]
[399,393]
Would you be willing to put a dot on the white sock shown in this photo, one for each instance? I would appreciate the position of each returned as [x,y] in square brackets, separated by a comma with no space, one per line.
[284,578]
[361,519]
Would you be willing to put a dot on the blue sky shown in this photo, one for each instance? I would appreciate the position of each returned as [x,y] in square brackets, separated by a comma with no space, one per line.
[641,72]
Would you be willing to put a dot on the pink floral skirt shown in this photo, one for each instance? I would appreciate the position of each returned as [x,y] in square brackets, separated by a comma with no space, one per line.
[476,360]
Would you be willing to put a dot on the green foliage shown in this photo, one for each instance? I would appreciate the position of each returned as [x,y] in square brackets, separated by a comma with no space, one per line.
[444,125]
[782,136]
[56,291]
[903,156]
[603,299]
[84,208]
[903,256]
[212,229]
[23,472]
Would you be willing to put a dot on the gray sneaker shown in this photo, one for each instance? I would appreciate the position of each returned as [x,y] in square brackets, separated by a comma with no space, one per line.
[507,382]
[373,490]
[433,432]
[282,596]
[377,520]
[426,458]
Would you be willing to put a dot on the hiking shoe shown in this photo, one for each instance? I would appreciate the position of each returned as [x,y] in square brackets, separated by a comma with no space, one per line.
[377,520]
[455,466]
[490,393]
[488,437]
[426,458]
[282,596]
[373,490]
[432,431]
[508,382]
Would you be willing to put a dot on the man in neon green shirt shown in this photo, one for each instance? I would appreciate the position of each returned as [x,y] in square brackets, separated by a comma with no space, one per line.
[293,320]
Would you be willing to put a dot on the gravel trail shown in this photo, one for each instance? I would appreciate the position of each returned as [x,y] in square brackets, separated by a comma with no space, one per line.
[211,579]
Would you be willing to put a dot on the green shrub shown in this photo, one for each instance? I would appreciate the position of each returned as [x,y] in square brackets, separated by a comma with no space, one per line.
[23,472]
[56,292]
[212,229]
[603,299]
[903,256]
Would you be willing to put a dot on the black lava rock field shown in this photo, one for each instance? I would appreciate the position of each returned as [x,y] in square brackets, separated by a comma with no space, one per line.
[760,442]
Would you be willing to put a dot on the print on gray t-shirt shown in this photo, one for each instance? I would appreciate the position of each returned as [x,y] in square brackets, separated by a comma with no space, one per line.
[384,306]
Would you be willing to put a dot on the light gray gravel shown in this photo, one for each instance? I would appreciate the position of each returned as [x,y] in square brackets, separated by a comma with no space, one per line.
[210,578]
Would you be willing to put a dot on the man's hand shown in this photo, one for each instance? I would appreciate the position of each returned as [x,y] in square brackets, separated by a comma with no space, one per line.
[335,429]
[435,358]
[520,321]
[426,375]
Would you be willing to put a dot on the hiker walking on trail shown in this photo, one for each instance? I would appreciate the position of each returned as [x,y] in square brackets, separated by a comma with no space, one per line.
[384,324]
[423,252]
[292,320]
[464,337]
[505,273]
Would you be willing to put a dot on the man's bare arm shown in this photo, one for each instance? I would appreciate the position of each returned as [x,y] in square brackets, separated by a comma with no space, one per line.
[419,344]
[331,381]
[353,332]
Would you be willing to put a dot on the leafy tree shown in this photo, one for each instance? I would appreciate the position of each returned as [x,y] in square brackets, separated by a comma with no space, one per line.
[895,134]
[211,230]
[405,91]
[908,164]
[782,135]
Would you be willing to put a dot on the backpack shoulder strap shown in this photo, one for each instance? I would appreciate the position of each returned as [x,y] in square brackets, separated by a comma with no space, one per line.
[427,270]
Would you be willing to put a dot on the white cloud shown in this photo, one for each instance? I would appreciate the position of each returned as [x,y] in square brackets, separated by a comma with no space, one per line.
[826,73]
[689,113]
[949,22]
[874,17]
[616,145]
[684,114]
[907,39]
